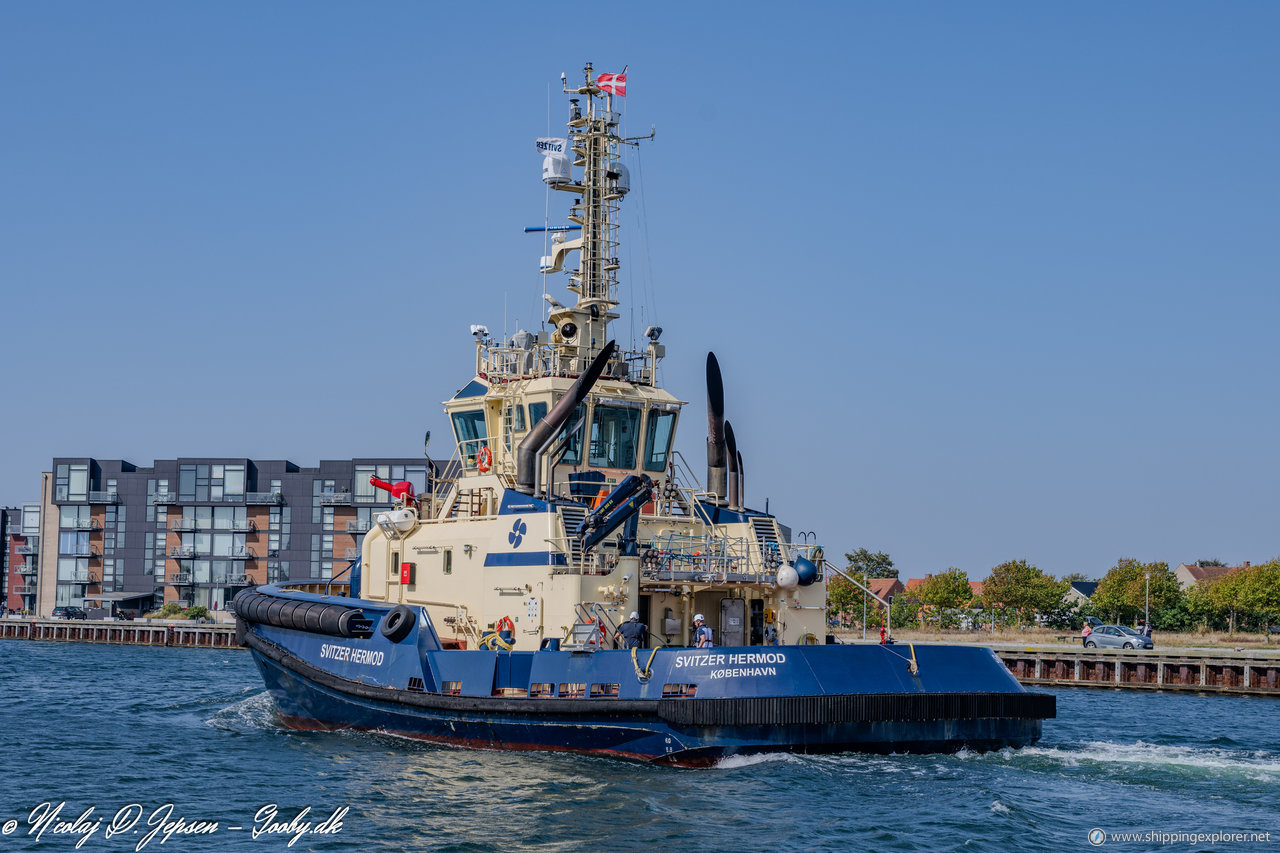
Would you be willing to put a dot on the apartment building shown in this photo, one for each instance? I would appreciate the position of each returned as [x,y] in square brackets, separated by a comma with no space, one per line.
[116,536]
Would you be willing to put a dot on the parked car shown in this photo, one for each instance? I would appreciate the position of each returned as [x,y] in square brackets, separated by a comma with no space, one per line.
[69,613]
[1117,637]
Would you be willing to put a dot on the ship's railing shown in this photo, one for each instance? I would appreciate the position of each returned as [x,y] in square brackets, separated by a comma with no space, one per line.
[505,362]
[707,558]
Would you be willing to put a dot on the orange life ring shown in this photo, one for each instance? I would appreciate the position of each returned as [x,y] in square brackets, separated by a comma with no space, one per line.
[484,460]
[504,624]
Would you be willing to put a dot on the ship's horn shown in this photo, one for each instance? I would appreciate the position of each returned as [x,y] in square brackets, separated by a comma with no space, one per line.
[717,474]
[541,436]
[735,487]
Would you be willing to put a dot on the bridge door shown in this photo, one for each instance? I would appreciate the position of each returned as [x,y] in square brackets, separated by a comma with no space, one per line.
[733,622]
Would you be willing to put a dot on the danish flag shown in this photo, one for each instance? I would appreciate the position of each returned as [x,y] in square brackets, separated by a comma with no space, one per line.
[614,84]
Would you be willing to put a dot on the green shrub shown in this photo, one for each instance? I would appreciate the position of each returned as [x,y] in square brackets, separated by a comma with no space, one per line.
[197,612]
[170,610]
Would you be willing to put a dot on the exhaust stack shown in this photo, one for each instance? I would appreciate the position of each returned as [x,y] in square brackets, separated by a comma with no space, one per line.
[735,476]
[529,453]
[717,469]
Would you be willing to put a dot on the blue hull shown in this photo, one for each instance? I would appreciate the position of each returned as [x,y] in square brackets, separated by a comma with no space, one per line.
[680,706]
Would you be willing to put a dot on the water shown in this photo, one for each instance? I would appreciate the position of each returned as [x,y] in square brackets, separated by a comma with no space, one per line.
[106,726]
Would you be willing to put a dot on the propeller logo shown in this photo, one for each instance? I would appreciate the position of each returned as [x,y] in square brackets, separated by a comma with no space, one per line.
[518,530]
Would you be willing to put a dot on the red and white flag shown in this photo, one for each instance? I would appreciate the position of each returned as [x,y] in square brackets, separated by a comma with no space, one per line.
[614,84]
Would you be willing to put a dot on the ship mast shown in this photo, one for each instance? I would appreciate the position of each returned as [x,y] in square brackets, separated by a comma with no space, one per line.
[593,142]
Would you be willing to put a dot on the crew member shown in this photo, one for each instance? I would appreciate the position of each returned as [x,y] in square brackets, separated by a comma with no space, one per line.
[701,634]
[632,632]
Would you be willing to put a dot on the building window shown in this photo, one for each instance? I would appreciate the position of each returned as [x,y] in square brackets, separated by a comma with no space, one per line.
[71,482]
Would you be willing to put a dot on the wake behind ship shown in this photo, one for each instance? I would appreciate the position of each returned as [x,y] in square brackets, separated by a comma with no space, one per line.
[483,611]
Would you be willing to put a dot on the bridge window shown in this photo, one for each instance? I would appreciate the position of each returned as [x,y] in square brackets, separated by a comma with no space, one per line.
[574,689]
[657,440]
[614,432]
[604,691]
[572,439]
[469,429]
[542,689]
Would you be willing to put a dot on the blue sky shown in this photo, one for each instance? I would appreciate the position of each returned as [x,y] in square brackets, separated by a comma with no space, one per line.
[987,281]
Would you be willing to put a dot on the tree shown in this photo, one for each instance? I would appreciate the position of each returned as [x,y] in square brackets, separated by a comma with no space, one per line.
[1122,592]
[1021,587]
[878,565]
[845,599]
[946,591]
[1213,562]
[1076,577]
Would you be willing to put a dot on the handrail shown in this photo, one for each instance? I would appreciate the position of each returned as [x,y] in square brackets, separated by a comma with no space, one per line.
[349,567]
[888,608]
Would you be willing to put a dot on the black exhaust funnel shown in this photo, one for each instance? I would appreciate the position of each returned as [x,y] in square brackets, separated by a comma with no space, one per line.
[541,436]
[735,483]
[717,469]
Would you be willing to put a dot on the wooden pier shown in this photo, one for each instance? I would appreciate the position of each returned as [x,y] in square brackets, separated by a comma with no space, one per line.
[1205,671]
[121,633]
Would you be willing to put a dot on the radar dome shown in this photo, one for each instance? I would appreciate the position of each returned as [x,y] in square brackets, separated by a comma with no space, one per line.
[556,169]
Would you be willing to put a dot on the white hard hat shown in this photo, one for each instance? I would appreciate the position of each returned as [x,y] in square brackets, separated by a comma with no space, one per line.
[698,618]
[635,615]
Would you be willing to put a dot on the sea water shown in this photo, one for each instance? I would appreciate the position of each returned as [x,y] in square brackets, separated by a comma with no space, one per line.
[121,748]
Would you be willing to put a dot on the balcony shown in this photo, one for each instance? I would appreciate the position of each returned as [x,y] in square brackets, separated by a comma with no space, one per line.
[263,498]
[353,553]
[26,568]
[335,499]
[244,527]
[74,576]
[83,551]
[163,498]
[182,524]
[104,498]
[30,549]
[239,554]
[231,580]
[180,578]
[23,589]
[85,524]
[359,526]
[182,552]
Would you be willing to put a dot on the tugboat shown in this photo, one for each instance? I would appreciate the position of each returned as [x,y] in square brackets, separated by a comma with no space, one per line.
[484,612]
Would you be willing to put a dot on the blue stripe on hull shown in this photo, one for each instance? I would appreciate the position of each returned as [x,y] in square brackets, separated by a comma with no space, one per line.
[304,703]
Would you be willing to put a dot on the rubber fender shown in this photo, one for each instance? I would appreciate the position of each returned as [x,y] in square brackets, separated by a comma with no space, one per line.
[397,624]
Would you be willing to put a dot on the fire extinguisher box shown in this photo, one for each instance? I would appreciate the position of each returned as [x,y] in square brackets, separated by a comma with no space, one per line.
[407,571]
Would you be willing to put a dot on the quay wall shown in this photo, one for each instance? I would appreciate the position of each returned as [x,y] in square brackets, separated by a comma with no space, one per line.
[1207,671]
[121,633]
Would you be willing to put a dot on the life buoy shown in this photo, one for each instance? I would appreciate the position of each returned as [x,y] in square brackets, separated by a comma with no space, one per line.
[484,460]
[504,624]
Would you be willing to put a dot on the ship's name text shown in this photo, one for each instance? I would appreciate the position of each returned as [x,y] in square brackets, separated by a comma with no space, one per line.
[350,655]
[736,661]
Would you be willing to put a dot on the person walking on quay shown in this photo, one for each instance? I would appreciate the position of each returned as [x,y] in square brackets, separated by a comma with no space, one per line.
[632,632]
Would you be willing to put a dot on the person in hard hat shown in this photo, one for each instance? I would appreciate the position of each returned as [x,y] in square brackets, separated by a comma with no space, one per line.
[701,633]
[631,633]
